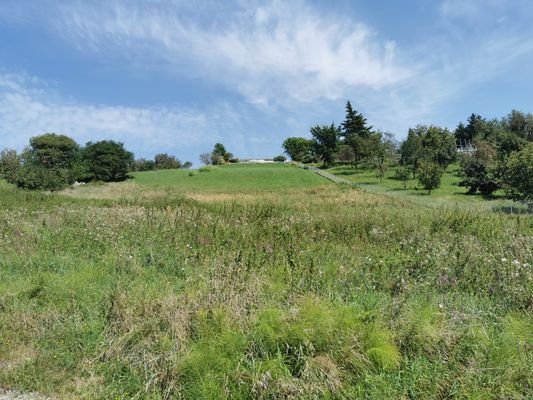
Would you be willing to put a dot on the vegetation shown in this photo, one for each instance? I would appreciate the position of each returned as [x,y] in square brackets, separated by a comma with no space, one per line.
[320,291]
[429,175]
[106,161]
[298,148]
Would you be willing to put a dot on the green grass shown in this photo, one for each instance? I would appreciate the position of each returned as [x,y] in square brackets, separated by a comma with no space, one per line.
[320,292]
[232,178]
[448,194]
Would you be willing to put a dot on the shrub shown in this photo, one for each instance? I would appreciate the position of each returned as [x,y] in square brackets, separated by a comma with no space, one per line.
[280,159]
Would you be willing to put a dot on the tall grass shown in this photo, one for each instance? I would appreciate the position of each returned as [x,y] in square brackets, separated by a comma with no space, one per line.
[329,293]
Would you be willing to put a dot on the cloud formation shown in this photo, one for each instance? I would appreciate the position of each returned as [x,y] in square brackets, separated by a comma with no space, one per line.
[29,108]
[281,50]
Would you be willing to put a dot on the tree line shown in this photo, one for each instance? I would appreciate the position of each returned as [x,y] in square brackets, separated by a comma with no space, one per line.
[492,154]
[52,162]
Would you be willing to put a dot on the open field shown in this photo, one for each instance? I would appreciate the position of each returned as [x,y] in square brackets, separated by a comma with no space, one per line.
[448,194]
[156,288]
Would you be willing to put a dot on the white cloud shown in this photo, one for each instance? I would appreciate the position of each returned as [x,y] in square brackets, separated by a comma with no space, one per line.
[27,108]
[283,50]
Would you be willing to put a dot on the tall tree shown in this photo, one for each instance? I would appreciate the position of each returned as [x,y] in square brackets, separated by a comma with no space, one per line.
[439,146]
[356,133]
[325,142]
[411,149]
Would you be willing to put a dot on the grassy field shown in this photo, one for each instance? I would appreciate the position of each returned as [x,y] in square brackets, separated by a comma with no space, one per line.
[232,178]
[448,194]
[156,289]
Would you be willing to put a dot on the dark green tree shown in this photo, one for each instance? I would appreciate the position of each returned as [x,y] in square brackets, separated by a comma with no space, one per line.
[297,147]
[356,133]
[219,155]
[107,161]
[325,140]
[402,174]
[476,128]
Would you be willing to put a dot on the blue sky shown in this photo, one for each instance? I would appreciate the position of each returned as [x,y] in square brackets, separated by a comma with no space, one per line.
[178,76]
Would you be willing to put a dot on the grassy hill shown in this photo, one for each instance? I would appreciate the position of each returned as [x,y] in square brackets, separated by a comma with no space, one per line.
[260,282]
[449,194]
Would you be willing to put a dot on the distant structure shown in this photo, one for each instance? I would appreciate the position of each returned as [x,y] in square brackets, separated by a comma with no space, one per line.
[258,161]
[465,146]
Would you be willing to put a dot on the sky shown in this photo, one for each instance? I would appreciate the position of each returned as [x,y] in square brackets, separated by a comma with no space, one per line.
[178,76]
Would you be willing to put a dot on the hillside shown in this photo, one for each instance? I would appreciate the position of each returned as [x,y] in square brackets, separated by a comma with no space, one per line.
[260,282]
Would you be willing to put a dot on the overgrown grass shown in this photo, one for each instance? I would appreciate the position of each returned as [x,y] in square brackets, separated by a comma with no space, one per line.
[327,292]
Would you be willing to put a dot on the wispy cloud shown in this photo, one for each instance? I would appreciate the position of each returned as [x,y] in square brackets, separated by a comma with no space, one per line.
[282,50]
[28,108]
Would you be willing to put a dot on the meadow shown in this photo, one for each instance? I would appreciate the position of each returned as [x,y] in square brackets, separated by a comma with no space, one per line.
[448,194]
[261,282]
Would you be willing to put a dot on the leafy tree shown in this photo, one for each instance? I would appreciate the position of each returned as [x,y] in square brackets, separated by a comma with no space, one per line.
[346,154]
[479,169]
[9,164]
[297,147]
[166,161]
[520,124]
[518,176]
[205,158]
[219,155]
[279,159]
[144,165]
[107,161]
[439,146]
[187,165]
[50,163]
[402,174]
[411,149]
[325,142]
[53,151]
[429,175]
[383,151]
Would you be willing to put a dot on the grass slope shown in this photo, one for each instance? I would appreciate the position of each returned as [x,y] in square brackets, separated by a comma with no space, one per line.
[448,194]
[232,178]
[325,292]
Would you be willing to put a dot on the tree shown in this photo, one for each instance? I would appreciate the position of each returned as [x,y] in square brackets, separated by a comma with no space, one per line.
[9,164]
[54,151]
[402,174]
[50,163]
[411,149]
[107,161]
[345,154]
[325,140]
[479,169]
[297,147]
[219,155]
[518,176]
[439,146]
[383,150]
[166,161]
[429,175]
[187,165]
[357,134]
[205,158]
[279,159]
[476,128]
[144,165]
